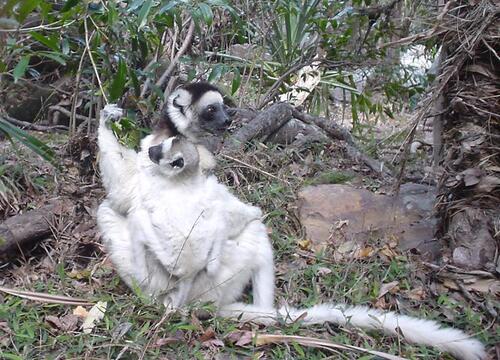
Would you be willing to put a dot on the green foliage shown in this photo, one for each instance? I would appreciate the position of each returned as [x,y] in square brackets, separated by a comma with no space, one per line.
[329,177]
[37,146]
[131,43]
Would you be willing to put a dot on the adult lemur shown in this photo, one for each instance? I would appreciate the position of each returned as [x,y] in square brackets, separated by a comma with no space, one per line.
[195,110]
[245,252]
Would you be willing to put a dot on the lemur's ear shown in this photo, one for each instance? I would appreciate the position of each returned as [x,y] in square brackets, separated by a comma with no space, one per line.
[177,105]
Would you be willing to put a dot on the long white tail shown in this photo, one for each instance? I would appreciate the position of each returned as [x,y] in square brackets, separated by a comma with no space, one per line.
[419,331]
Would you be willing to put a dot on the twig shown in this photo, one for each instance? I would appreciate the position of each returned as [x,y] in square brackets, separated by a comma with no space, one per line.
[182,50]
[72,115]
[254,168]
[46,298]
[338,132]
[68,113]
[40,27]
[264,339]
[87,45]
[271,92]
[30,126]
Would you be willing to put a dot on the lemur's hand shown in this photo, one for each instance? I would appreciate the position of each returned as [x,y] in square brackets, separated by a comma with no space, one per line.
[109,114]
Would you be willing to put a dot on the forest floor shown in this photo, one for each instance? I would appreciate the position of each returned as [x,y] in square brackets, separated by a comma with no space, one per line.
[72,262]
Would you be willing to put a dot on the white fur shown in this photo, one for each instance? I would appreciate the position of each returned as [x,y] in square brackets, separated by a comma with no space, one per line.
[414,330]
[208,98]
[183,122]
[243,257]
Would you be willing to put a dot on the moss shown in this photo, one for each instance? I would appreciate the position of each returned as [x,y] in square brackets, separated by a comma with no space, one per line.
[329,177]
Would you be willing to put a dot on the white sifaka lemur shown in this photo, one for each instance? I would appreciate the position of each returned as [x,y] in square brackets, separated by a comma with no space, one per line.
[182,237]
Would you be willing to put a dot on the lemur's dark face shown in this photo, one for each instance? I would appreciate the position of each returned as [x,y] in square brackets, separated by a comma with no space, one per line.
[197,110]
[214,118]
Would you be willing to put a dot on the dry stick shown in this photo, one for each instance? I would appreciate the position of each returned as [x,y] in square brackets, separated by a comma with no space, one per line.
[87,45]
[68,113]
[271,92]
[46,298]
[72,115]
[182,50]
[30,126]
[337,132]
[264,339]
[254,168]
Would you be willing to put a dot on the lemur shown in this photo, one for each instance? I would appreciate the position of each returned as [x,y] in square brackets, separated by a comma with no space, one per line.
[177,224]
[194,110]
[247,257]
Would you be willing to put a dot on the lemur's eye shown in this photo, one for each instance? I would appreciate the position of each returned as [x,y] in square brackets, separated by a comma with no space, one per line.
[211,109]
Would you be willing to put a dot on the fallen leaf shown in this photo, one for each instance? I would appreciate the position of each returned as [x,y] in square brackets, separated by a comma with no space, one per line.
[417,293]
[305,244]
[389,287]
[213,343]
[120,330]
[388,252]
[80,311]
[245,339]
[364,252]
[79,275]
[166,341]
[324,271]
[95,314]
[65,323]
[207,335]
[239,338]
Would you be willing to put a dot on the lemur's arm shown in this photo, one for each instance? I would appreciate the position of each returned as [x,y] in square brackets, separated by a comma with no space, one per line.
[117,163]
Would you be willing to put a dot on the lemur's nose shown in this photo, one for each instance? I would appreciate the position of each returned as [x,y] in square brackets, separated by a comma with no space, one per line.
[155,153]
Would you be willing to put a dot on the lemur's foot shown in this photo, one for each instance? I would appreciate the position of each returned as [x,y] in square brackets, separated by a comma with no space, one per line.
[255,213]
[213,266]
[110,113]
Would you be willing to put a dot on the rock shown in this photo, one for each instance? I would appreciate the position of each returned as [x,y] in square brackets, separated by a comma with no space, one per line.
[336,214]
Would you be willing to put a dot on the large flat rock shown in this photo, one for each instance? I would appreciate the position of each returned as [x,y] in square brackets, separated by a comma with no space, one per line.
[336,214]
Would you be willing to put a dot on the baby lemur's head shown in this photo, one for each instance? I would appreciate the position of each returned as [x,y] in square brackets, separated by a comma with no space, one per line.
[175,156]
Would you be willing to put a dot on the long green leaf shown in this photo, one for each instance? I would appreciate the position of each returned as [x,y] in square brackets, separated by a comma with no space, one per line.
[21,67]
[56,56]
[50,42]
[142,18]
[206,13]
[118,85]
[27,140]
[216,73]
[27,6]
[235,85]
[69,4]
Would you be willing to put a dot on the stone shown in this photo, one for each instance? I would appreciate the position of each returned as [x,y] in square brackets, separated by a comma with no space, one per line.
[334,214]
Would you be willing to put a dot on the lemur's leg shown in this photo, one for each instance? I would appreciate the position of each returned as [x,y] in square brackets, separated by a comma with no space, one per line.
[117,163]
[214,256]
[127,256]
[247,258]
[179,296]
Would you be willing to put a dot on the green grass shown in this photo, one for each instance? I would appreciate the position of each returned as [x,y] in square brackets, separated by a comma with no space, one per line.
[330,177]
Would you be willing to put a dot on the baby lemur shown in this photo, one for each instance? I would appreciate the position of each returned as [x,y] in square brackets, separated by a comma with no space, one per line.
[185,238]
